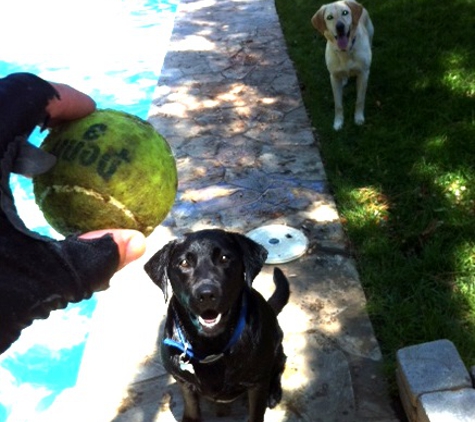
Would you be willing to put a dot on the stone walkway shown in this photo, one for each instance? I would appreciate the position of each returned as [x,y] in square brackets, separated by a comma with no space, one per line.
[228,101]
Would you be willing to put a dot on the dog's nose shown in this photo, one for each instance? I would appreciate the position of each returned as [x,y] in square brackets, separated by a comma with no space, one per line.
[207,294]
[340,28]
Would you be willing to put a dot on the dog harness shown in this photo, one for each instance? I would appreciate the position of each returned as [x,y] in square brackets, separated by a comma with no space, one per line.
[187,349]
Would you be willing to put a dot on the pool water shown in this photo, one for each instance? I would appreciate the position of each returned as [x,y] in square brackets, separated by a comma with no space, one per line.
[112,50]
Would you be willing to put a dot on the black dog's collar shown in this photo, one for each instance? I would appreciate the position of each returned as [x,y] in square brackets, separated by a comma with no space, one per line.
[186,348]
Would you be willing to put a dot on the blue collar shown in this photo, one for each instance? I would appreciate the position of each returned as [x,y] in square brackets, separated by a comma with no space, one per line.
[185,347]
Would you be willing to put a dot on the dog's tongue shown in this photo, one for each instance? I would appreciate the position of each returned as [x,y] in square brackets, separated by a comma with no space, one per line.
[209,319]
[342,41]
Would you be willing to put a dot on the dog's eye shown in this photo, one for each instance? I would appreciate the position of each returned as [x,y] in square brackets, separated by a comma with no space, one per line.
[223,259]
[345,12]
[184,264]
[329,17]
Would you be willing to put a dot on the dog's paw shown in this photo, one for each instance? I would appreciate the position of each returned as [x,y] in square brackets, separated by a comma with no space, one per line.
[274,399]
[359,118]
[223,409]
[337,123]
[187,419]
[275,394]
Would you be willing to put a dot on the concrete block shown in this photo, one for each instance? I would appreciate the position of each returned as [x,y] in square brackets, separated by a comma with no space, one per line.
[447,406]
[472,375]
[409,408]
[430,367]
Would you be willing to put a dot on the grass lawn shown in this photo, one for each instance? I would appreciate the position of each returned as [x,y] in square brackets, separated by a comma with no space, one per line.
[404,182]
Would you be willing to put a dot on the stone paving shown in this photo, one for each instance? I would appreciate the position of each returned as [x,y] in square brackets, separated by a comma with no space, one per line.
[228,101]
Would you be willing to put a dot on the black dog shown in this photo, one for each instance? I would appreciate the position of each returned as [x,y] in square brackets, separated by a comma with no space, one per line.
[221,337]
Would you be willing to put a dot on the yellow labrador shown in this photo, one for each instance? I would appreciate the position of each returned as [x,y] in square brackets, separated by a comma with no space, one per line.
[348,29]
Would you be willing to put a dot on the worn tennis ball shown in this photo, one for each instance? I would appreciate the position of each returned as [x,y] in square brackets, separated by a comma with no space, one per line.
[113,170]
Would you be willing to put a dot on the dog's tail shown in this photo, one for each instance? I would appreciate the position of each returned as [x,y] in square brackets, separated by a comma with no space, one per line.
[281,294]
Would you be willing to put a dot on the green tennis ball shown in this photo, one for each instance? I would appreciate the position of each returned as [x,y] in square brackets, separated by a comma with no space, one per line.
[113,170]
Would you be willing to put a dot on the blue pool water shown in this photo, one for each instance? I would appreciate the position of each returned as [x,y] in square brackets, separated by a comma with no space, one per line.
[112,50]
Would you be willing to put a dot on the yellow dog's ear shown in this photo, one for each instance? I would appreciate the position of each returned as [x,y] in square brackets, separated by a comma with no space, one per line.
[318,20]
[356,12]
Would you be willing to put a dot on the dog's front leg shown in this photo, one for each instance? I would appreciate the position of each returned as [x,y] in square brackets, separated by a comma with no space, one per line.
[337,88]
[191,400]
[361,86]
[257,397]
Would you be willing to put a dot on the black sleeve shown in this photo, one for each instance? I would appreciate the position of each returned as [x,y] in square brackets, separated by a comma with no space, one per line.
[41,275]
[38,274]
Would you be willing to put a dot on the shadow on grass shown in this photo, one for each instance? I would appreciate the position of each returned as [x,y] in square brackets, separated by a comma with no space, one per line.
[403,182]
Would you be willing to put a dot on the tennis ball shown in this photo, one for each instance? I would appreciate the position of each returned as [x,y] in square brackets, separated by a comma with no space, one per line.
[113,170]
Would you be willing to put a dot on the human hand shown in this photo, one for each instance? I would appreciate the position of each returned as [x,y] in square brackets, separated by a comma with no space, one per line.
[73,104]
[40,274]
[131,243]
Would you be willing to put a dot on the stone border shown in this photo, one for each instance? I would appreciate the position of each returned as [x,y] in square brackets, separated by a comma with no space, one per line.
[434,384]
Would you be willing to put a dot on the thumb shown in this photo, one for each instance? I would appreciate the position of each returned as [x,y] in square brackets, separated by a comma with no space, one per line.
[71,105]
[131,243]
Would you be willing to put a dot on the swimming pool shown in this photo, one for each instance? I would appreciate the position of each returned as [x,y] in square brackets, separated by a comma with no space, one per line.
[112,50]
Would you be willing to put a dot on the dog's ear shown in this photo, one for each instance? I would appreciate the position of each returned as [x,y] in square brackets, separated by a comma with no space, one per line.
[157,268]
[356,12]
[318,20]
[254,256]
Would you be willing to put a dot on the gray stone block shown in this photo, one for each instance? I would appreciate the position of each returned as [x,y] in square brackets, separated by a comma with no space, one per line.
[472,375]
[409,408]
[430,367]
[447,406]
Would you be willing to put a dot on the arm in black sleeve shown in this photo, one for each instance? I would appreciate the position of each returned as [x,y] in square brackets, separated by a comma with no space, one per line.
[38,274]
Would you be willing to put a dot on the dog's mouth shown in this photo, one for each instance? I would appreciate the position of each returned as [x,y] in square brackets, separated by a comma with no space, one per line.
[209,319]
[342,39]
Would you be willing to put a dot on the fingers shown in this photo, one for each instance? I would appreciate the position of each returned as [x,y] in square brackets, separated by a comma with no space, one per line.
[131,243]
[71,105]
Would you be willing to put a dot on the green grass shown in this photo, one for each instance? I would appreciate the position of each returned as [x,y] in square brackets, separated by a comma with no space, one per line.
[404,182]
